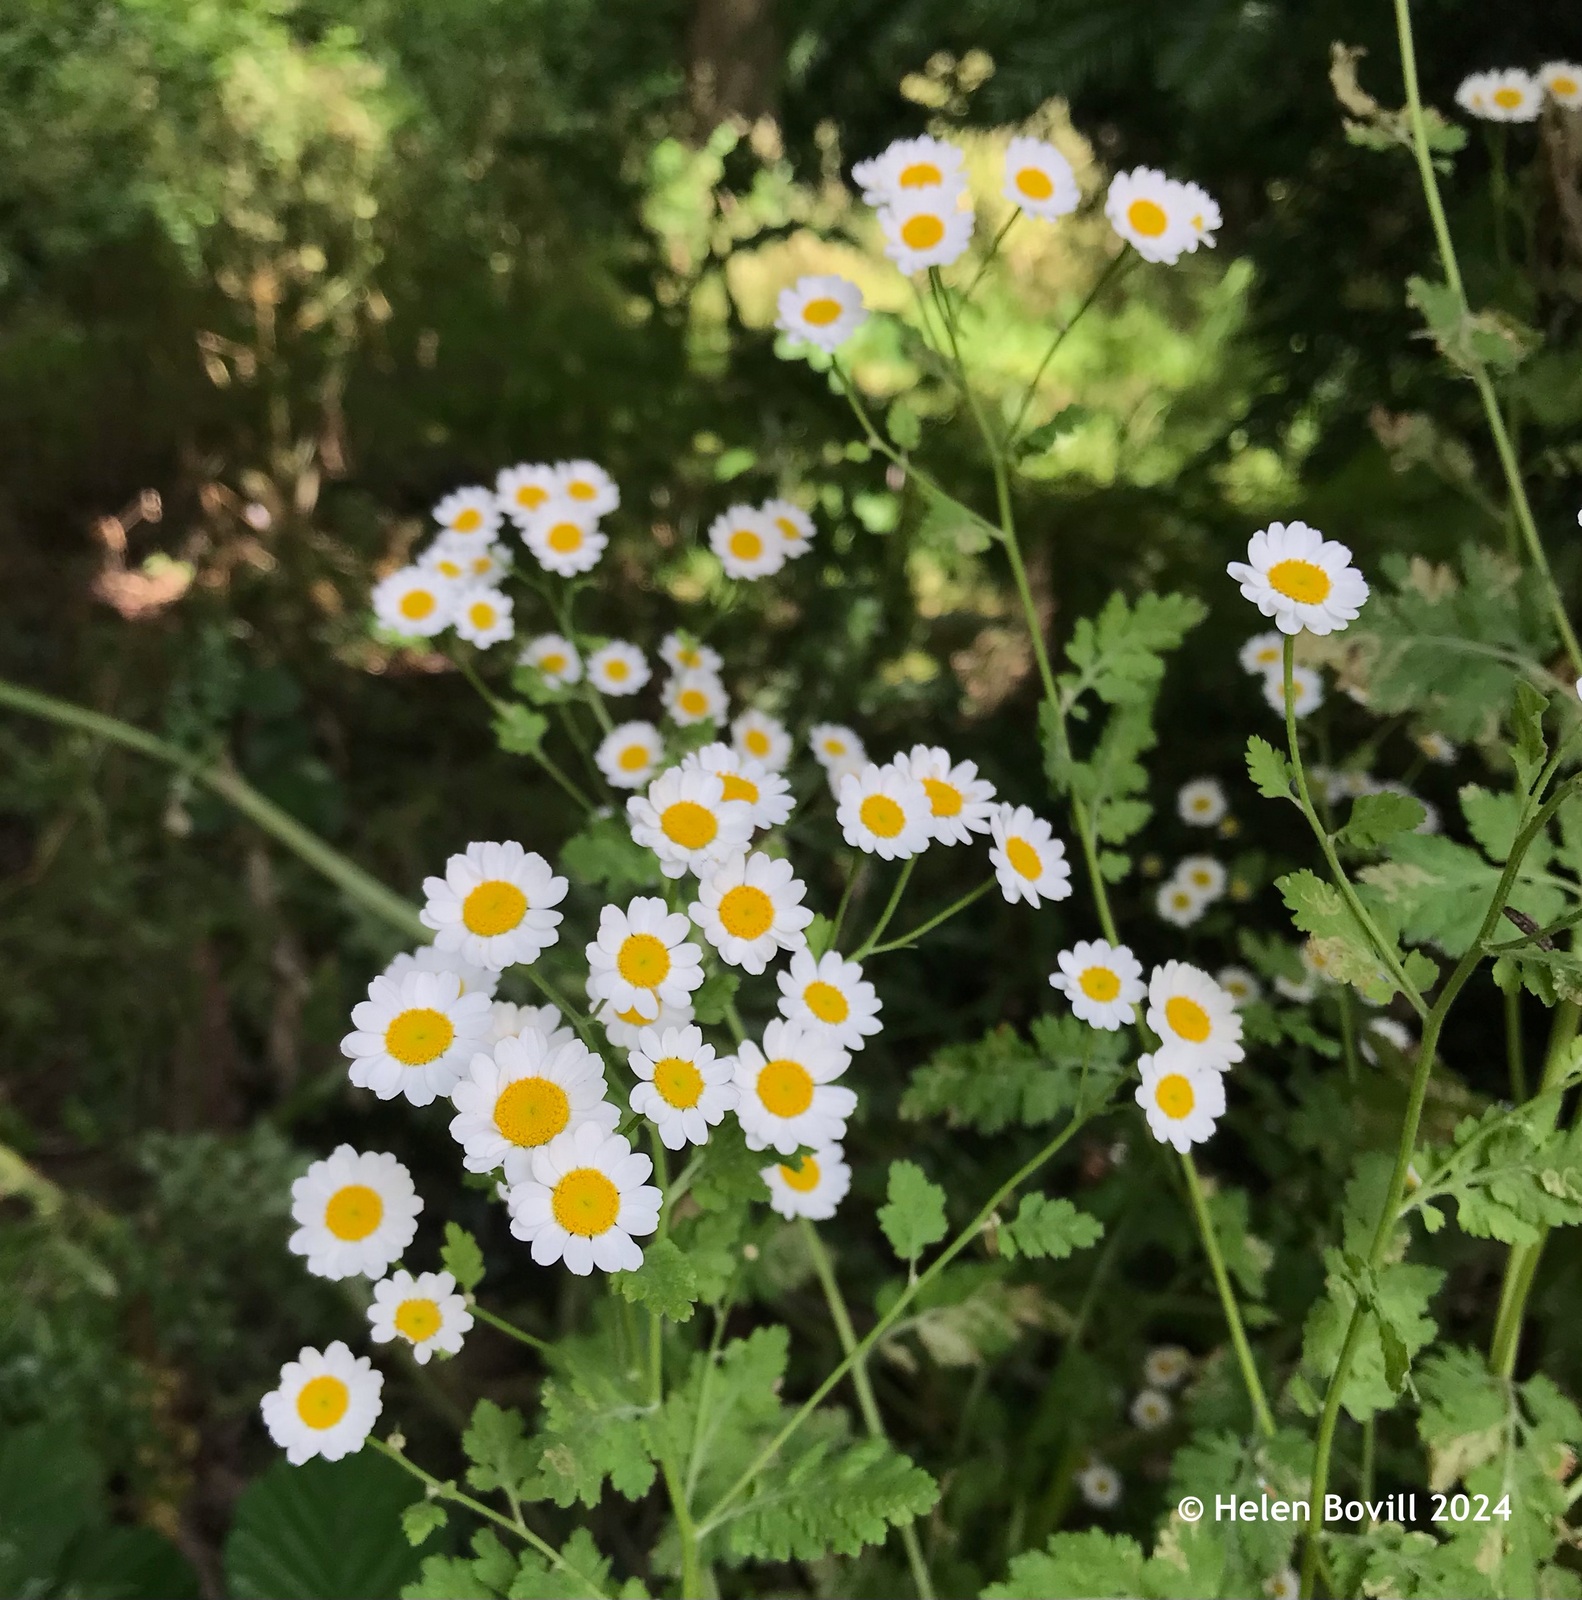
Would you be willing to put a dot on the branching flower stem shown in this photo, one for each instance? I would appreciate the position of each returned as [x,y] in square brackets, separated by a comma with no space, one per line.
[912,935]
[509,1328]
[868,945]
[496,705]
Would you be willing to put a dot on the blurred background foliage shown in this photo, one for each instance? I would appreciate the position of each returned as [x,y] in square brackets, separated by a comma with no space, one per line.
[300,266]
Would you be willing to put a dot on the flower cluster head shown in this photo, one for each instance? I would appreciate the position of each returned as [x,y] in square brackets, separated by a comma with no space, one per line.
[1510,94]
[1197,882]
[1182,1092]
[757,541]
[1160,218]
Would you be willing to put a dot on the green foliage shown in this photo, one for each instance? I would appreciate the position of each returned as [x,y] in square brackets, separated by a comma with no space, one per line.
[666,1282]
[1470,340]
[1092,1565]
[603,856]
[421,1519]
[1270,771]
[1047,1228]
[519,730]
[1119,654]
[913,1218]
[591,1427]
[1376,818]
[461,1257]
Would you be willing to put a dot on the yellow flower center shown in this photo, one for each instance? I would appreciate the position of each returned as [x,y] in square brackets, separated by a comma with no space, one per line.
[633,758]
[581,489]
[531,495]
[1507,99]
[417,1319]
[739,788]
[745,545]
[1202,877]
[644,962]
[633,1018]
[693,701]
[821,312]
[446,568]
[586,1202]
[564,537]
[757,742]
[746,912]
[417,604]
[481,614]
[679,1082]
[944,797]
[419,1036]
[1562,85]
[791,532]
[322,1401]
[532,1111]
[688,824]
[494,907]
[826,1002]
[1034,183]
[1173,1095]
[835,748]
[803,1177]
[1099,983]
[1147,217]
[553,664]
[617,670]
[1187,1019]
[882,816]
[1303,581]
[1023,857]
[468,521]
[923,231]
[785,1087]
[920,175]
[354,1212]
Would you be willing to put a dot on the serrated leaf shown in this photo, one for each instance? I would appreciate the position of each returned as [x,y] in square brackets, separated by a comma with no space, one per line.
[1377,817]
[1120,653]
[605,856]
[420,1520]
[495,1442]
[1527,722]
[1048,1228]
[519,730]
[593,1423]
[1092,1565]
[585,1572]
[461,1257]
[1269,770]
[1492,819]
[486,1575]
[712,999]
[666,1282]
[1066,420]
[913,1218]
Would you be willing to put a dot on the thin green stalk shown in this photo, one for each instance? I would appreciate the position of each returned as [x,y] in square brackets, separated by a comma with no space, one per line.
[845,902]
[1515,1059]
[841,1317]
[1348,1032]
[510,1328]
[914,934]
[1115,265]
[1369,1452]
[867,946]
[497,706]
[994,250]
[686,1528]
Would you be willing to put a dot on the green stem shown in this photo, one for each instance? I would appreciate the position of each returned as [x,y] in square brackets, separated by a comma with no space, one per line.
[686,1527]
[867,946]
[994,250]
[845,902]
[510,1328]
[841,1317]
[1348,1032]
[913,934]
[1514,1058]
[497,705]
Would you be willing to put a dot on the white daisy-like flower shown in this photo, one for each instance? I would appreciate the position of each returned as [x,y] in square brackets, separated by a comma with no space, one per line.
[469,515]
[618,668]
[921,166]
[415,602]
[1027,858]
[1440,750]
[925,230]
[1151,1410]
[1166,1365]
[749,907]
[821,309]
[565,538]
[587,1203]
[1102,981]
[788,1093]
[762,738]
[829,999]
[1285,1584]
[1473,92]
[1307,690]
[1100,1485]
[326,1404]
[811,1186]
[797,528]
[355,1213]
[1201,803]
[835,745]
[682,653]
[1202,215]
[507,1019]
[1241,985]
[1303,580]
[494,904]
[765,792]
[1203,874]
[885,812]
[693,697]
[587,486]
[1179,903]
[414,1036]
[1194,1017]
[625,1028]
[685,819]
[1508,95]
[642,960]
[483,617]
[426,1311]
[1297,991]
[1181,1097]
[747,542]
[1262,654]
[1395,1034]
[1040,180]
[1563,81]
[555,657]
[959,801]
[629,754]
[444,559]
[430,958]
[685,1088]
[521,1095]
[525,489]
[1149,211]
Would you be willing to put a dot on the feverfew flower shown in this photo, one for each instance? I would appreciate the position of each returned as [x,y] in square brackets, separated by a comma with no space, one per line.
[811,1187]
[1166,1365]
[414,1036]
[1027,859]
[692,697]
[587,486]
[629,754]
[788,1094]
[494,904]
[1100,1485]
[1040,180]
[1508,95]
[483,617]
[747,542]
[326,1404]
[885,812]
[1203,874]
[565,538]
[682,653]
[1262,654]
[471,515]
[760,737]
[618,668]
[1440,750]
[1181,1097]
[821,309]
[586,1202]
[922,231]
[796,527]
[684,1089]
[1201,803]
[526,1092]
[959,800]
[1193,1016]
[415,602]
[835,745]
[641,960]
[749,907]
[522,490]
[921,166]
[1303,580]
[1179,903]
[1202,215]
[1242,987]
[355,1213]
[766,793]
[1151,1410]
[555,657]
[829,999]
[1563,80]
[687,822]
[625,1028]
[430,958]
[426,1311]
[1307,690]
[448,562]
[1148,210]
[1102,981]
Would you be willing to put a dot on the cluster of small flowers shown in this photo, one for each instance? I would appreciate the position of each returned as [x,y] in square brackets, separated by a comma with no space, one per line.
[1151,1409]
[1196,883]
[757,541]
[1512,95]
[918,188]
